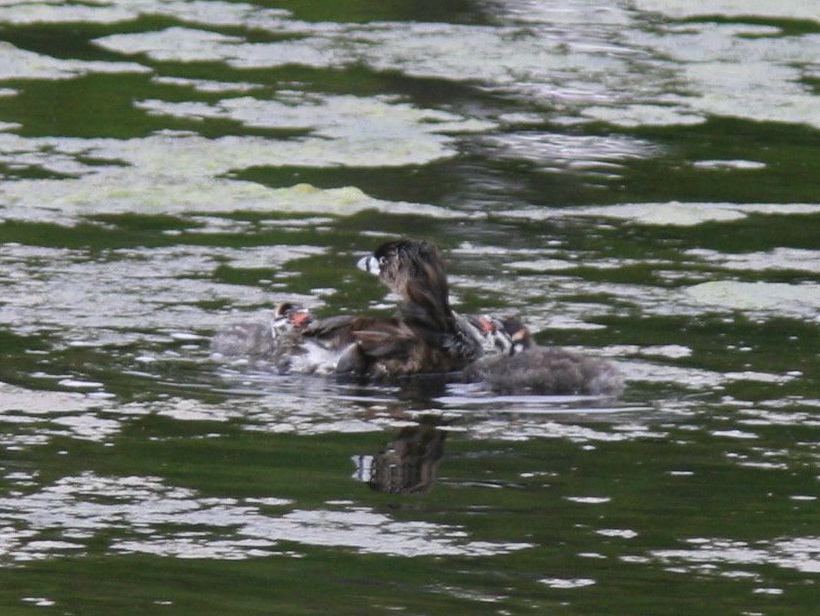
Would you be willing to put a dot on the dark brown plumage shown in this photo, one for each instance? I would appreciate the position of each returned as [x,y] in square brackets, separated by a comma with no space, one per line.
[424,336]
[415,271]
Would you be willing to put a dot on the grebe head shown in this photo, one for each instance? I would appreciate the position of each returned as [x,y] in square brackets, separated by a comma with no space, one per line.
[398,263]
[518,334]
[414,270]
[289,314]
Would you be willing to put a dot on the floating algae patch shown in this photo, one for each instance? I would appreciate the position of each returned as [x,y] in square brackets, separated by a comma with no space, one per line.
[501,55]
[750,72]
[23,12]
[14,401]
[173,173]
[588,64]
[360,124]
[778,9]
[777,259]
[346,132]
[179,44]
[668,214]
[207,85]
[172,44]
[66,201]
[673,112]
[794,300]
[759,92]
[187,154]
[497,55]
[672,214]
[16,63]
[577,64]
[213,13]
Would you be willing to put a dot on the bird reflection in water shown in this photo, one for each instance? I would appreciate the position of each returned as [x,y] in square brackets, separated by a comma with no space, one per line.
[407,464]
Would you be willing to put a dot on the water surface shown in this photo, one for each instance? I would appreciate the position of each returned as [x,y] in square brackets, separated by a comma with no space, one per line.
[637,180]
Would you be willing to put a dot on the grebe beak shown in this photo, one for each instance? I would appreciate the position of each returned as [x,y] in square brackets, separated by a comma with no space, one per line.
[301,318]
[486,326]
[369,264]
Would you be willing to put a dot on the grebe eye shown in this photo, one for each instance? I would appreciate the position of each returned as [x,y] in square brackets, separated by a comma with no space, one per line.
[382,260]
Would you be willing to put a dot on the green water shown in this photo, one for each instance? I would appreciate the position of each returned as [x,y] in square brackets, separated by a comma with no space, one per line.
[637,180]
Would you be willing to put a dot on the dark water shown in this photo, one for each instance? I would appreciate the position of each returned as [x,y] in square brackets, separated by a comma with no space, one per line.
[639,180]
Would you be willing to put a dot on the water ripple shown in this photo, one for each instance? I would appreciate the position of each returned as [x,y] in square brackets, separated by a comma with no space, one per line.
[143,515]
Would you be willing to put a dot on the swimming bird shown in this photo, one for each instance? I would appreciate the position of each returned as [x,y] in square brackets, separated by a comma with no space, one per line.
[527,368]
[425,335]
[258,339]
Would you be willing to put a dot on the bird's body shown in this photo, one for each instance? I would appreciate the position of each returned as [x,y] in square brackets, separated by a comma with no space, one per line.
[423,336]
[532,369]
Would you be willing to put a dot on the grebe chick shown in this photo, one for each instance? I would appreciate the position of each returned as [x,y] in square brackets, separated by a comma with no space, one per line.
[529,368]
[258,339]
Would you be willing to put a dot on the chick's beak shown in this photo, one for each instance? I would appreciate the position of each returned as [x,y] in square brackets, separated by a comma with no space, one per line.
[301,318]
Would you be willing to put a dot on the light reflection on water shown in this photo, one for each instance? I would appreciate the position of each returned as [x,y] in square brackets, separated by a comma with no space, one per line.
[583,161]
[800,554]
[149,517]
